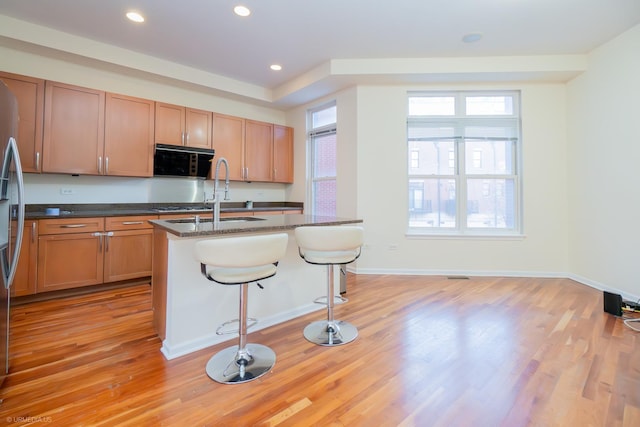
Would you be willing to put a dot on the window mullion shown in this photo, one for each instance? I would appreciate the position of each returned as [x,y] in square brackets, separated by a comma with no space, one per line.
[461,185]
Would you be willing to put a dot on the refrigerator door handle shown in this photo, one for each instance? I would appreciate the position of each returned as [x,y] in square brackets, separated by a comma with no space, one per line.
[12,153]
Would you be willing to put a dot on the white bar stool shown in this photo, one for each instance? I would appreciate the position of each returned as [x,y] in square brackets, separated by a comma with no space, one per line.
[240,261]
[329,245]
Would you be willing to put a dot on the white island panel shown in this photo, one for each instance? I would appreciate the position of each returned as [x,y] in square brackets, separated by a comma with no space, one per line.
[196,307]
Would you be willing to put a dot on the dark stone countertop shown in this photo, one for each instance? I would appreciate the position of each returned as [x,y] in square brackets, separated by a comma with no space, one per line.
[256,224]
[38,211]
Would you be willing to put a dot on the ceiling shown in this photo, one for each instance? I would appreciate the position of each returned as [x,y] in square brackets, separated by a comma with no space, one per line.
[325,45]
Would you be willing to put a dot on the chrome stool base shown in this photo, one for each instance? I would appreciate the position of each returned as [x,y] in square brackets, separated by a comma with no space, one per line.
[330,333]
[230,367]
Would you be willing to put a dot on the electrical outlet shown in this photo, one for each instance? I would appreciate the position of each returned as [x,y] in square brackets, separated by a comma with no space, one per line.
[393,247]
[67,191]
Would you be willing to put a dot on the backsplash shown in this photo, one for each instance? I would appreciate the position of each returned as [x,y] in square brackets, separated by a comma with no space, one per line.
[67,189]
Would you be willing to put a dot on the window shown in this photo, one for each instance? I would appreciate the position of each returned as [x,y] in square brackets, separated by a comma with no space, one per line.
[467,181]
[415,159]
[322,143]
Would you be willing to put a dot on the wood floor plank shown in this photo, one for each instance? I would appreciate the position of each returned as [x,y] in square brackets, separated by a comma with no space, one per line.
[431,351]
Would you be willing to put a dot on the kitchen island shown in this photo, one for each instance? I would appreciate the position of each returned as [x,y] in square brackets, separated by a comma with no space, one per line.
[188,308]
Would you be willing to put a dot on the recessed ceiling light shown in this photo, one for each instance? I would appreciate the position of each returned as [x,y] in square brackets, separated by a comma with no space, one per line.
[471,37]
[135,17]
[242,11]
[276,67]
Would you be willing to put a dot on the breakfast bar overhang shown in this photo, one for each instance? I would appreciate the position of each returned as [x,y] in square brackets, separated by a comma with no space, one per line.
[188,309]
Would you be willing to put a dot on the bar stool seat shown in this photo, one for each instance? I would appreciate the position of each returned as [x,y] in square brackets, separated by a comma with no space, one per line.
[330,245]
[240,261]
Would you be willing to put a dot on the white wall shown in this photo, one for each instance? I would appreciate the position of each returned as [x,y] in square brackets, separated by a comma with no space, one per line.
[375,118]
[604,167]
[348,159]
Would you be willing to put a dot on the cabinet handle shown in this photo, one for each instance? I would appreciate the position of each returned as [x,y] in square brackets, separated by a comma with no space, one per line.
[99,236]
[187,138]
[246,175]
[275,173]
[182,137]
[100,164]
[38,161]
[33,232]
[106,245]
[106,166]
[73,226]
[132,222]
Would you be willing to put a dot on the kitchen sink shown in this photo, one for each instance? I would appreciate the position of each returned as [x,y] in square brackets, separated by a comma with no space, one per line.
[209,219]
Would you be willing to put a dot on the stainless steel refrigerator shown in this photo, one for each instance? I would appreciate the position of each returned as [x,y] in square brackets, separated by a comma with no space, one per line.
[11,214]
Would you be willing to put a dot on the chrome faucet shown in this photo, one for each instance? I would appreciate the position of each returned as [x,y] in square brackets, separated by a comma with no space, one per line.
[216,199]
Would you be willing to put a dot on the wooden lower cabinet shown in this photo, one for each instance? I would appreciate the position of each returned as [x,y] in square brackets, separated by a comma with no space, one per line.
[24,282]
[128,247]
[69,261]
[128,255]
[90,251]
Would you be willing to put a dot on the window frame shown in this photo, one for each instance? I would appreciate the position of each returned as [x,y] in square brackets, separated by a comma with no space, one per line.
[460,175]
[312,133]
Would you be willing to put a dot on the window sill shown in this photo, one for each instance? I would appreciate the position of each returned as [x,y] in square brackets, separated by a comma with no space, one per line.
[412,234]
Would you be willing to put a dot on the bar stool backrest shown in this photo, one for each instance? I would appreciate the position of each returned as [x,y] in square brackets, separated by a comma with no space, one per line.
[329,244]
[243,251]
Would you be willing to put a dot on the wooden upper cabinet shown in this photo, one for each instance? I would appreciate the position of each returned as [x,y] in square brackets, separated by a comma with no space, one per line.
[228,142]
[75,130]
[169,126]
[282,154]
[128,136]
[29,93]
[198,128]
[177,125]
[258,151]
[255,151]
[73,139]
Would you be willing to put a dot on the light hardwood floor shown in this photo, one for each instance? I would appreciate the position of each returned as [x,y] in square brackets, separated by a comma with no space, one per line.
[432,351]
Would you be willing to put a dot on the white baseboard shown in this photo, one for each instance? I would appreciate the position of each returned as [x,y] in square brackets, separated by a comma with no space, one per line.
[542,274]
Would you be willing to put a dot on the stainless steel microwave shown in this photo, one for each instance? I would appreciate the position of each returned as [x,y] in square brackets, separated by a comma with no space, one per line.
[175,160]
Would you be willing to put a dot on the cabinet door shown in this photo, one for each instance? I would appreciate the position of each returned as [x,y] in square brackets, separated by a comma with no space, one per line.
[259,151]
[69,261]
[73,129]
[282,154]
[127,254]
[30,95]
[228,142]
[169,125]
[198,128]
[25,279]
[128,136]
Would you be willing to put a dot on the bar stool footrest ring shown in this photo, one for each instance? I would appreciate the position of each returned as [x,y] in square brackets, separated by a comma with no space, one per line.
[251,321]
[337,299]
